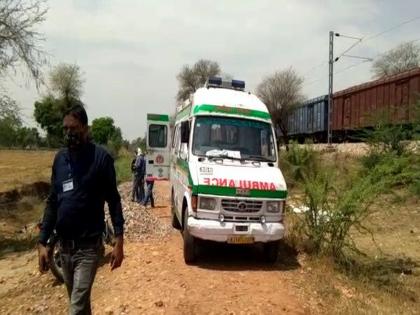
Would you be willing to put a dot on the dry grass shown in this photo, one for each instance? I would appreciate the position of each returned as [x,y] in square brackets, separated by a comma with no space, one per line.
[18,230]
[18,217]
[20,167]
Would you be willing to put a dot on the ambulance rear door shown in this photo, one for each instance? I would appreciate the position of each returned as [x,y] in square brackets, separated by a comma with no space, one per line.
[157,145]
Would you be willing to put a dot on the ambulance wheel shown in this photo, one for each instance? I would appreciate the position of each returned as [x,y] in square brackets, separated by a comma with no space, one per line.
[271,251]
[190,243]
[175,221]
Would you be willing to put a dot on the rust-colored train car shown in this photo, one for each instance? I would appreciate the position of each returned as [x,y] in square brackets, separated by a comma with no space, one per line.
[362,105]
[358,107]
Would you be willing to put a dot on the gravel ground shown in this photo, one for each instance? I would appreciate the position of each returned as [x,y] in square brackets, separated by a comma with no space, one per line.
[140,222]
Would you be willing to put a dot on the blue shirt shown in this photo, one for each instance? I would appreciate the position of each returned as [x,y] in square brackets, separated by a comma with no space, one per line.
[80,185]
[140,166]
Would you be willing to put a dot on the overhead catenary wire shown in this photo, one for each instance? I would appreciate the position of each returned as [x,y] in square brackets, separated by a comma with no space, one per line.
[359,41]
[315,67]
[391,29]
[350,67]
[348,49]
[337,72]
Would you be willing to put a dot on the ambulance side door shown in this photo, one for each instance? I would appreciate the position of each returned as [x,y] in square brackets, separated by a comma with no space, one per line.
[175,170]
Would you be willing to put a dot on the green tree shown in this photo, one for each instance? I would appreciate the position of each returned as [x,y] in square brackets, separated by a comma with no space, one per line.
[10,121]
[281,92]
[103,130]
[404,57]
[19,39]
[28,137]
[65,91]
[190,78]
[19,49]
[66,81]
[139,142]
[48,114]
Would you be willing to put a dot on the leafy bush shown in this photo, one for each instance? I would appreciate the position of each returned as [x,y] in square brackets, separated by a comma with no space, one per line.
[371,159]
[123,168]
[334,211]
[338,200]
[388,137]
[299,162]
[317,191]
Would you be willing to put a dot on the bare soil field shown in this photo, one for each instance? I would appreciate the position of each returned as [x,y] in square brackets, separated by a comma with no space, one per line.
[226,280]
[155,280]
[20,167]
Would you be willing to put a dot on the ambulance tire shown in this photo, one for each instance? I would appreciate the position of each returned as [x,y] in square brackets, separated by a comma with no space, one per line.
[271,251]
[190,243]
[175,222]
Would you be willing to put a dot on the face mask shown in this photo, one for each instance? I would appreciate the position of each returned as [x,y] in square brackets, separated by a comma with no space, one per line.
[73,140]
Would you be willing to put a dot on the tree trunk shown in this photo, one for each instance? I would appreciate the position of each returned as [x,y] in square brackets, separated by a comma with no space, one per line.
[283,130]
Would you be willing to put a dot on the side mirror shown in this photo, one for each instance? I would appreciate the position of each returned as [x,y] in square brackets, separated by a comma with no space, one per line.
[185,132]
[183,153]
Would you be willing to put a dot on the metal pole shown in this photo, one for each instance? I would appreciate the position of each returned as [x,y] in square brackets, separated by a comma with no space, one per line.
[330,87]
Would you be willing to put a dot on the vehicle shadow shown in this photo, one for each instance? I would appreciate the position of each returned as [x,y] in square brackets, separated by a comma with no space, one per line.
[226,257]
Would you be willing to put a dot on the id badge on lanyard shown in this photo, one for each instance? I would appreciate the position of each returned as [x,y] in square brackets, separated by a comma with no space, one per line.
[68,185]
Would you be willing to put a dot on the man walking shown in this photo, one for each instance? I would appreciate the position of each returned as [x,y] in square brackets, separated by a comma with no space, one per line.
[83,178]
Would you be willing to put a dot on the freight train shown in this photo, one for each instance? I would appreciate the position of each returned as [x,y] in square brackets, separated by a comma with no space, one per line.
[357,108]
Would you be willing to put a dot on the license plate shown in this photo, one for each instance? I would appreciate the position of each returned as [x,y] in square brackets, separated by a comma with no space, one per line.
[240,239]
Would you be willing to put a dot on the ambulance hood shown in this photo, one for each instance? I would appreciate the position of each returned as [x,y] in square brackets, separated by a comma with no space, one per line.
[233,178]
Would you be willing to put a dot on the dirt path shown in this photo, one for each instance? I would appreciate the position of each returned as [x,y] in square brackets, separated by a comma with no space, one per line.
[155,280]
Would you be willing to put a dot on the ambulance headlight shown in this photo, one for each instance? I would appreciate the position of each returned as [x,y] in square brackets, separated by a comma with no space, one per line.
[207,203]
[274,206]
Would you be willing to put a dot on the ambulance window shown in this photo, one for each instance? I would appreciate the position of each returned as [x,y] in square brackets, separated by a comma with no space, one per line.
[253,139]
[157,136]
[216,134]
[231,134]
[267,143]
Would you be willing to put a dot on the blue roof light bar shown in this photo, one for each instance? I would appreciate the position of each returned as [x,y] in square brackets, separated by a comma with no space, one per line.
[238,84]
[214,81]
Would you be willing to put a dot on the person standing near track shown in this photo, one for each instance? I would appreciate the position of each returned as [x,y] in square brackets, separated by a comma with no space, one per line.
[140,172]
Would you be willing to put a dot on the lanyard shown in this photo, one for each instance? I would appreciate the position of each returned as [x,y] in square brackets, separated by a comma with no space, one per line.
[68,161]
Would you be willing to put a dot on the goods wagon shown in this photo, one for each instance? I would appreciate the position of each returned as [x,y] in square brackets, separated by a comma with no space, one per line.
[309,120]
[357,108]
[361,106]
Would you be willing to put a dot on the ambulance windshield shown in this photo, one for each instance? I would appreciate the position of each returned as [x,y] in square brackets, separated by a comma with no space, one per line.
[233,138]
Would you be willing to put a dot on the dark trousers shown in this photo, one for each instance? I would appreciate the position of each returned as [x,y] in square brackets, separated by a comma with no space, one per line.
[138,188]
[79,270]
[149,195]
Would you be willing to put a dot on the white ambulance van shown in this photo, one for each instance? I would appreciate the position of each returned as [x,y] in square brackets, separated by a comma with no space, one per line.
[157,146]
[226,185]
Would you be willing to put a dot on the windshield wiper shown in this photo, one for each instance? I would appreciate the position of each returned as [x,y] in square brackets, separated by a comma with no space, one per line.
[224,156]
[259,158]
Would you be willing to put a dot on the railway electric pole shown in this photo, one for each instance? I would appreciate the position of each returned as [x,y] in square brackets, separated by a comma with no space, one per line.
[330,87]
[331,61]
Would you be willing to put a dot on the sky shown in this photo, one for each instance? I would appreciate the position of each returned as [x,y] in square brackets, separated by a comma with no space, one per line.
[130,51]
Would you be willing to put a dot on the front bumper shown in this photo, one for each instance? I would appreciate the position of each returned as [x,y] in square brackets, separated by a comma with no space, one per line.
[213,230]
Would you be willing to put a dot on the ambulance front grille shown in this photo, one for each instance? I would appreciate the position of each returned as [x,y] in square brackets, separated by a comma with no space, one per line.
[241,205]
[229,218]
